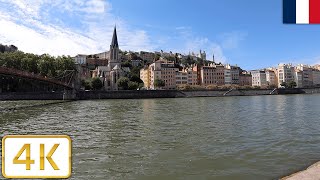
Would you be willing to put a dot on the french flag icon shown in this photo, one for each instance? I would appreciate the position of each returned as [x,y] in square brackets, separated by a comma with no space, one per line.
[301,11]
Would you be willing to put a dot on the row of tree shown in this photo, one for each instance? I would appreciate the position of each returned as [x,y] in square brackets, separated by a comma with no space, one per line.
[130,83]
[45,64]
[124,83]
[291,84]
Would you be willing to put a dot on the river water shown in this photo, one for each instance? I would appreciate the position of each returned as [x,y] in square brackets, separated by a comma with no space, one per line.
[259,137]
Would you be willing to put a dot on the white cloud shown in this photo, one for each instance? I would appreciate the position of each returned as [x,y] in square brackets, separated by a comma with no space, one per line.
[232,40]
[54,42]
[95,6]
[31,26]
[73,27]
[190,42]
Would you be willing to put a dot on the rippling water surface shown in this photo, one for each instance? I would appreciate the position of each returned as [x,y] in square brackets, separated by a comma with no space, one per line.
[261,137]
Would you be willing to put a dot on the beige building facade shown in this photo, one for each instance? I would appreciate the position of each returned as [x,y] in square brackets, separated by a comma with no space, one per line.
[212,74]
[259,78]
[161,70]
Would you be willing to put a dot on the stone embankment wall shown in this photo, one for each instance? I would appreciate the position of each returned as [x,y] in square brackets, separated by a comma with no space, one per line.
[37,96]
[311,90]
[220,93]
[84,95]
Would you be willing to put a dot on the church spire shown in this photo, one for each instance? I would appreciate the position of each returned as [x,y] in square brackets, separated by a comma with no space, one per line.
[114,42]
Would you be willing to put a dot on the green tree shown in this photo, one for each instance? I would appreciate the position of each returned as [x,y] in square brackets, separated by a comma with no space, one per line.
[45,64]
[157,57]
[135,71]
[135,78]
[123,83]
[96,84]
[133,85]
[284,84]
[159,83]
[126,64]
[86,84]
[171,58]
[292,84]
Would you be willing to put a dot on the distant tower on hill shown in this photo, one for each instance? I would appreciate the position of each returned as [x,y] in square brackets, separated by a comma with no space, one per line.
[213,57]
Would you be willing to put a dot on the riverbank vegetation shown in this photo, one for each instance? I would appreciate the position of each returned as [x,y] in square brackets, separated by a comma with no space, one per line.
[45,64]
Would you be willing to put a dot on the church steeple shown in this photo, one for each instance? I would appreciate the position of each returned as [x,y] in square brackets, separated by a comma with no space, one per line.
[114,42]
[114,50]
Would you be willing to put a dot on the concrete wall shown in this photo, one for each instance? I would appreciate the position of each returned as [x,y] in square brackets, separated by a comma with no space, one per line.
[299,91]
[37,96]
[311,90]
[204,93]
[83,95]
[219,93]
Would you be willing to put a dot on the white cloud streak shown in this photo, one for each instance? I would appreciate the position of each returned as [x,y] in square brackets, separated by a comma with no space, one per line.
[70,27]
[30,26]
[192,43]
[232,40]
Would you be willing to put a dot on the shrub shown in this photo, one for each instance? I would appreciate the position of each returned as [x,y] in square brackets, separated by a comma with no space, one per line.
[96,84]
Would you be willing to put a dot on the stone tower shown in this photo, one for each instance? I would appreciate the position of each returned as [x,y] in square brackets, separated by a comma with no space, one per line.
[114,50]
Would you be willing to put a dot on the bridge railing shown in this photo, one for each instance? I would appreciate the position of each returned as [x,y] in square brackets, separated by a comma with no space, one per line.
[25,74]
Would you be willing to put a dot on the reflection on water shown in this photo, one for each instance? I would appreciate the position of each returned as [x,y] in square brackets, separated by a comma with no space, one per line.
[262,137]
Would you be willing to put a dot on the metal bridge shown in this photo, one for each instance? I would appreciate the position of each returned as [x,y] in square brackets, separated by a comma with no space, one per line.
[65,80]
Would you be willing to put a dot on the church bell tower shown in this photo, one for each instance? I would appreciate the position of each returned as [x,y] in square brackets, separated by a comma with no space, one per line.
[114,50]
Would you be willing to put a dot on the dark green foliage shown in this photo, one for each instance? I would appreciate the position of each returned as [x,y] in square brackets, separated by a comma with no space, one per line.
[157,57]
[96,84]
[135,78]
[123,83]
[171,58]
[135,71]
[45,64]
[133,85]
[126,64]
[292,84]
[284,84]
[86,84]
[159,83]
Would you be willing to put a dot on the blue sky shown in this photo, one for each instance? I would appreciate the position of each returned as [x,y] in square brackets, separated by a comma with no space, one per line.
[249,33]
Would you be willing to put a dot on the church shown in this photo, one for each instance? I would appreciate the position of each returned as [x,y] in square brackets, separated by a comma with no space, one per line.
[110,74]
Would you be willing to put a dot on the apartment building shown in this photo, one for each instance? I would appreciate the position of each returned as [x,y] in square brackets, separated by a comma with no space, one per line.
[145,76]
[181,77]
[298,77]
[259,78]
[307,75]
[231,74]
[245,79]
[316,77]
[192,76]
[162,70]
[271,78]
[212,74]
[285,73]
